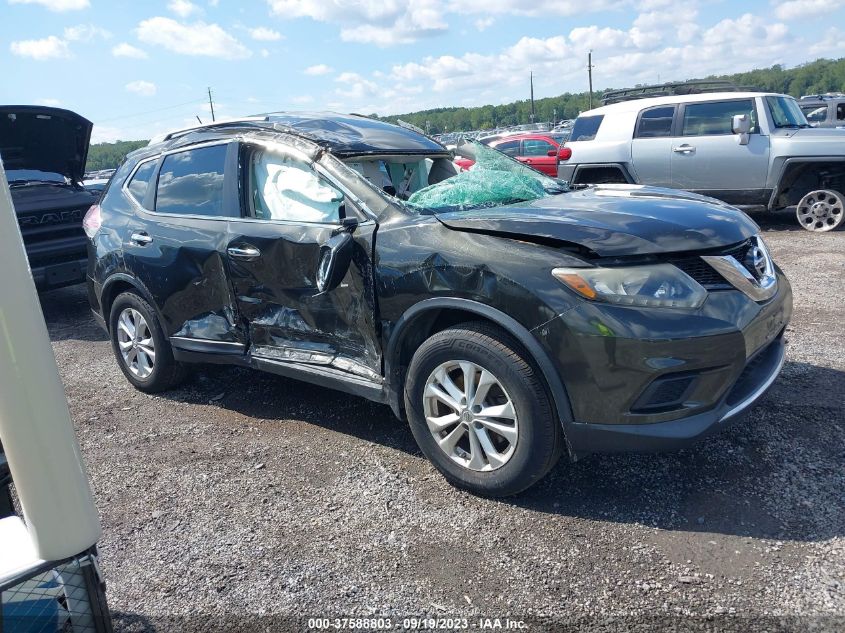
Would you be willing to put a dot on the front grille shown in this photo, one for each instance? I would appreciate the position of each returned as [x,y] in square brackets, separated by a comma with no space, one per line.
[702,272]
[705,274]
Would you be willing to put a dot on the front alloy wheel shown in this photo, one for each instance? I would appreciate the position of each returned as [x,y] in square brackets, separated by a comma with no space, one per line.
[136,343]
[470,415]
[822,210]
[479,410]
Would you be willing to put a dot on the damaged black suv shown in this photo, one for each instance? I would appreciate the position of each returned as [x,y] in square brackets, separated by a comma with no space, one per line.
[508,318]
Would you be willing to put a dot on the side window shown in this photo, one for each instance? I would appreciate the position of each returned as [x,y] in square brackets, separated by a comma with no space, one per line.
[537,147]
[586,128]
[815,113]
[283,188]
[656,122]
[511,148]
[714,118]
[840,112]
[191,183]
[141,181]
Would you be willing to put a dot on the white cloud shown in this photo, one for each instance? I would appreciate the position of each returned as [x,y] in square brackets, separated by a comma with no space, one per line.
[142,88]
[302,99]
[482,24]
[127,50]
[380,23]
[199,38]
[263,34]
[85,33]
[318,69]
[795,9]
[183,8]
[57,5]
[53,103]
[50,47]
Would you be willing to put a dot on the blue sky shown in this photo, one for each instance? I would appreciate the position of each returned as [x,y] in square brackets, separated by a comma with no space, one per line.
[140,68]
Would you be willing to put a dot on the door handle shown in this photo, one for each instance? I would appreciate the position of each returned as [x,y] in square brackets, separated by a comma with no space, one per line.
[141,238]
[684,149]
[244,252]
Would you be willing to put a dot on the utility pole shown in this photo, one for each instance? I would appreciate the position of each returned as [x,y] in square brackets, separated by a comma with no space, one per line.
[533,114]
[590,75]
[211,103]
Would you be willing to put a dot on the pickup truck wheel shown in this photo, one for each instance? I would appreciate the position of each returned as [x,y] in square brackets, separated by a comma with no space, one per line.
[822,210]
[479,411]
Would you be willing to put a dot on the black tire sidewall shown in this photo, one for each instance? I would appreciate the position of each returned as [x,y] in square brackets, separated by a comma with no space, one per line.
[538,443]
[164,363]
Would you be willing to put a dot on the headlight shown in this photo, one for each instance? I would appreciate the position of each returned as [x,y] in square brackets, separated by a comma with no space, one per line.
[657,285]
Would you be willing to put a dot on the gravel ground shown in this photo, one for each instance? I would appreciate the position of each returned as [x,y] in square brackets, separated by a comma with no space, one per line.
[245,494]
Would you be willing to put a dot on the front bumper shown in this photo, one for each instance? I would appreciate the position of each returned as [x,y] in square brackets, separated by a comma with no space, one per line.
[759,374]
[649,380]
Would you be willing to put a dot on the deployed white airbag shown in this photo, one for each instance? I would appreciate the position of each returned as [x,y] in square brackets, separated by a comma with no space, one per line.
[290,190]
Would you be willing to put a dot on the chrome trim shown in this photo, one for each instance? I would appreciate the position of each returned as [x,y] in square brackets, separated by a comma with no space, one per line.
[206,341]
[741,278]
[751,399]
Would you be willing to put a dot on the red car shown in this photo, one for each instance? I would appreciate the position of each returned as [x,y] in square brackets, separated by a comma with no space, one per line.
[542,151]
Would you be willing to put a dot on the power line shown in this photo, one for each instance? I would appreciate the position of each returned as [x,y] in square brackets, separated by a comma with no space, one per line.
[129,116]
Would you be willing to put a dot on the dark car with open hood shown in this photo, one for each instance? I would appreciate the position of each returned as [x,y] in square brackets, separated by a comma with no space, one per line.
[44,151]
[509,318]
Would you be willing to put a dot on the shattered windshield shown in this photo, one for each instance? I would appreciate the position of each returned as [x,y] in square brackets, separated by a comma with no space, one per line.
[494,180]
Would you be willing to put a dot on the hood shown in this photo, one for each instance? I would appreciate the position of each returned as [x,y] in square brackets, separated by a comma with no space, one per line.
[616,220]
[45,139]
[812,134]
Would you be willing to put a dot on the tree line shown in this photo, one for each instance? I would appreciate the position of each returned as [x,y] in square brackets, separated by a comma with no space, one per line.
[820,76]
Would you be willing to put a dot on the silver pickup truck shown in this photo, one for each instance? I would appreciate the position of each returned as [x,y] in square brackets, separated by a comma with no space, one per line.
[749,149]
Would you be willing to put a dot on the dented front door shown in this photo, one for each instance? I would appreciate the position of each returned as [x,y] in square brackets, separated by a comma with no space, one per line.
[273,256]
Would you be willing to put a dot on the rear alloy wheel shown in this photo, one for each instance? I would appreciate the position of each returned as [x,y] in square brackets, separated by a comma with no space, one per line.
[822,210]
[479,410]
[140,346]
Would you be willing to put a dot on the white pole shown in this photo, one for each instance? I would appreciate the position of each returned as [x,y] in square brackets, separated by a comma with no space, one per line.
[35,426]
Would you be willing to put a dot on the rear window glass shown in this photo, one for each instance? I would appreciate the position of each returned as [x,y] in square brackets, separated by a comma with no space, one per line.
[191,182]
[656,122]
[586,128]
[141,180]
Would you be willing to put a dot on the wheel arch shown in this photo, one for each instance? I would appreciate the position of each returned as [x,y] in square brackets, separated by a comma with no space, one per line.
[799,176]
[119,283]
[434,315]
[618,171]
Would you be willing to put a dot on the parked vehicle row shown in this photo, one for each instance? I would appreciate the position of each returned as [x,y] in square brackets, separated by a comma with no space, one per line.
[509,318]
[750,149]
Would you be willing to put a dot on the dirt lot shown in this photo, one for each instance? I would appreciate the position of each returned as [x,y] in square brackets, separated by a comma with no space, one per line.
[247,494]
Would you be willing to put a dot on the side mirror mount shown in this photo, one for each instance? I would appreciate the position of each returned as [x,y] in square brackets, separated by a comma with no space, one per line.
[741,125]
[335,259]
[551,152]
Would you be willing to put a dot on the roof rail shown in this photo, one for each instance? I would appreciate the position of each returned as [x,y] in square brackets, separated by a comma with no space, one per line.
[825,96]
[206,126]
[697,86]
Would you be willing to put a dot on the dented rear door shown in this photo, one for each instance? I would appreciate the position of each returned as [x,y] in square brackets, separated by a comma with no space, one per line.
[273,254]
[176,243]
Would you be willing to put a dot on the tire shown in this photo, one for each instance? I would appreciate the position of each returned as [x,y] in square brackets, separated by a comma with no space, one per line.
[524,448]
[159,373]
[821,210]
